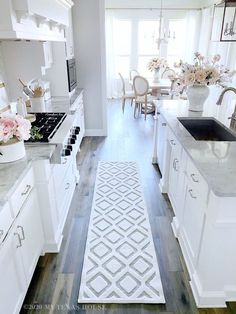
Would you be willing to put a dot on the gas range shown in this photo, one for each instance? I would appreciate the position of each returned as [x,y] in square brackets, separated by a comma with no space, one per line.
[57,128]
[47,124]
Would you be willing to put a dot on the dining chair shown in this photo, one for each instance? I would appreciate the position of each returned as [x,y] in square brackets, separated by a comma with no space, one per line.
[132,74]
[167,74]
[125,94]
[143,101]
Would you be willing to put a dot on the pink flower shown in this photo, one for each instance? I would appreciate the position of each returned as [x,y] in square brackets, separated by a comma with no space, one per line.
[14,126]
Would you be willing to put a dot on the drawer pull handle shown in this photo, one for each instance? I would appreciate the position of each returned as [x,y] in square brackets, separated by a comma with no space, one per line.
[175,162]
[20,244]
[193,176]
[22,232]
[28,187]
[67,186]
[65,161]
[163,124]
[172,142]
[191,194]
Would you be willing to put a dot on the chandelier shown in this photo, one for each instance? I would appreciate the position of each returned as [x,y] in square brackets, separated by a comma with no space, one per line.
[163,35]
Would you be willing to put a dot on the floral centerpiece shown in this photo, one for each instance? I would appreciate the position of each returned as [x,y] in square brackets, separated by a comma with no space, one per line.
[14,129]
[154,65]
[198,76]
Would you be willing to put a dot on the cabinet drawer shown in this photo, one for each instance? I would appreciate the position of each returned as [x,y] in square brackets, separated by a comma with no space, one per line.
[6,220]
[59,171]
[175,145]
[64,189]
[22,191]
[197,181]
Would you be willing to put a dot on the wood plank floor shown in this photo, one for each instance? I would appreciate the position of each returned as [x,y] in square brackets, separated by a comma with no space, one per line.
[55,285]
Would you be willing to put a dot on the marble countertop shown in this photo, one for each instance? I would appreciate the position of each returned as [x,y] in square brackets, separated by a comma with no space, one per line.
[216,161]
[63,104]
[12,173]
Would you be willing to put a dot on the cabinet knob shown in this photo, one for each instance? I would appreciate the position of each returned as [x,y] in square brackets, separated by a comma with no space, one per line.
[67,186]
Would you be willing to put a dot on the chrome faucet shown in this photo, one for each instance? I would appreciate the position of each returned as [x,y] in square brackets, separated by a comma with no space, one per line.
[219,102]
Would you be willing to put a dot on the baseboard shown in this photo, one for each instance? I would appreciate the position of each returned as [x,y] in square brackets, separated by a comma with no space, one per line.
[206,299]
[95,132]
[162,187]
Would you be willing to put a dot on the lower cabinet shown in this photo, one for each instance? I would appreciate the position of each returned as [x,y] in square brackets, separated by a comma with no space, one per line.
[192,224]
[19,254]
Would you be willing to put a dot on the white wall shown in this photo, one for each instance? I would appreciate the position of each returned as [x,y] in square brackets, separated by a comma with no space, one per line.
[89,38]
[3,92]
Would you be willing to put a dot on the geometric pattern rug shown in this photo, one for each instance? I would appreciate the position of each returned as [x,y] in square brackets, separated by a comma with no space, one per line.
[120,264]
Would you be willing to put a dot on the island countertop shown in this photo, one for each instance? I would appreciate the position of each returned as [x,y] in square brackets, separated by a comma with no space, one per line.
[216,161]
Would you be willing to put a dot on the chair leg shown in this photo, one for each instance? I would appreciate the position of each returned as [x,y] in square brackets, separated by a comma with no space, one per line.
[132,102]
[135,107]
[145,112]
[123,105]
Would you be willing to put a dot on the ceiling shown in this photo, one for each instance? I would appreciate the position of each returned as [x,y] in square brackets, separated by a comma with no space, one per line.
[191,4]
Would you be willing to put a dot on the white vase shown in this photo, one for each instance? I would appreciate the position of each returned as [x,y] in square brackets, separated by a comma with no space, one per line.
[12,151]
[197,95]
[37,104]
[156,76]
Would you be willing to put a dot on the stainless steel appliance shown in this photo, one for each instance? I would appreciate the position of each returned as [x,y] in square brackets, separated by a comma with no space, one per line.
[71,73]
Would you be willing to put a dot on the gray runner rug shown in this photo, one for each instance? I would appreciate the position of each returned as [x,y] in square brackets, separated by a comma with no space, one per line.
[120,264]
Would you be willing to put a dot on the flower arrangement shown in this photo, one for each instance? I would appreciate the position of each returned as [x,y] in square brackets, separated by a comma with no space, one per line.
[203,71]
[14,128]
[156,64]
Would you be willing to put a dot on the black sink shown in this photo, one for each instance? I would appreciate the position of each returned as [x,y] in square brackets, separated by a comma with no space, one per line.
[207,129]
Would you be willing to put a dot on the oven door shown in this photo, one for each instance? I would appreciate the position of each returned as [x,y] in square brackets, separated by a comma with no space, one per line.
[71,71]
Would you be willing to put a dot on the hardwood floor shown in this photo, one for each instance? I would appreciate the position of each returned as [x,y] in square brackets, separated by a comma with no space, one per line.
[55,285]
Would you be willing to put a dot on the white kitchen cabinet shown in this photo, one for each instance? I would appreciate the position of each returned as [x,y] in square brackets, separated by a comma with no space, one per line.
[69,37]
[78,108]
[174,169]
[12,283]
[161,141]
[29,227]
[19,254]
[34,20]
[192,224]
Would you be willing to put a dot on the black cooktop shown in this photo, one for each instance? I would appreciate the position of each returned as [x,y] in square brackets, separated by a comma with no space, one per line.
[46,125]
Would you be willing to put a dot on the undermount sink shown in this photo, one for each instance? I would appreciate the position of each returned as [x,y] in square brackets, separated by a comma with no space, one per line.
[207,129]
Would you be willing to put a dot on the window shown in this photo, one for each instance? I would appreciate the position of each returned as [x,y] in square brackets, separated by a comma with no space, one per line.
[176,45]
[148,33]
[122,46]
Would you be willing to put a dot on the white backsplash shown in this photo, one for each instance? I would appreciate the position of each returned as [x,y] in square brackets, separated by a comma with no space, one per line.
[3,91]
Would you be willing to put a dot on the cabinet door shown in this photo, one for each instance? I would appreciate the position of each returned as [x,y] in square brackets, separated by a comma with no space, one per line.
[69,38]
[12,279]
[161,140]
[193,221]
[173,179]
[29,227]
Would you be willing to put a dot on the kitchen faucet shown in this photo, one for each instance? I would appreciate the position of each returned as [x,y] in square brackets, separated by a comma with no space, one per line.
[219,102]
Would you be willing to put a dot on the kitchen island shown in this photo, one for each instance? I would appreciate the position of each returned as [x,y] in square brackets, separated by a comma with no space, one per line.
[199,178]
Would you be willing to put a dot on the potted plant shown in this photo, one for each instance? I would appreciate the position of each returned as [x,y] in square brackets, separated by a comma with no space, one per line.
[14,129]
[197,77]
[154,65]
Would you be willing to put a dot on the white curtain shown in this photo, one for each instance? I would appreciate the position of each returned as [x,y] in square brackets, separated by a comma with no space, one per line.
[193,21]
[112,79]
[205,31]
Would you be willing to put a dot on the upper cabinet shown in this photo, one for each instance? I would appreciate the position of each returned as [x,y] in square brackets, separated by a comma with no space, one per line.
[34,19]
[69,38]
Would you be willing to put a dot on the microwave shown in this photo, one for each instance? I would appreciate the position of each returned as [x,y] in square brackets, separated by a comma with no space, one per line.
[71,73]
